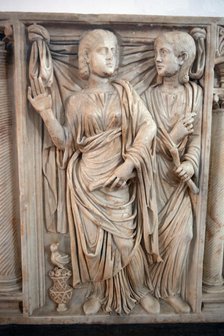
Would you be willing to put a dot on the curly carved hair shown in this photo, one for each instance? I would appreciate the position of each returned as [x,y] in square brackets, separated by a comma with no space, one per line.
[89,40]
[182,43]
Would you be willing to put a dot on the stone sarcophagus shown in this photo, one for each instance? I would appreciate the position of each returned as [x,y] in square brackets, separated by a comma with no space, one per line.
[111,169]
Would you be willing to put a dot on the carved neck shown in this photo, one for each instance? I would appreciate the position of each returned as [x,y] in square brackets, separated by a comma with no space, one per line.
[171,83]
[99,83]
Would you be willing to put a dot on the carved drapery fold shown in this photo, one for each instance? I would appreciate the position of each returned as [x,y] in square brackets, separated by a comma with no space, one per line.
[10,273]
[41,66]
[198,67]
[40,58]
[55,62]
[54,59]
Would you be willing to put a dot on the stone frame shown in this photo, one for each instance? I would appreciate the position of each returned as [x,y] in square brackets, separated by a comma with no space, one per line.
[28,128]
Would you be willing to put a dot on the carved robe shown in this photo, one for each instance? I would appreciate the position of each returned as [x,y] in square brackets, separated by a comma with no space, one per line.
[173,196]
[110,228]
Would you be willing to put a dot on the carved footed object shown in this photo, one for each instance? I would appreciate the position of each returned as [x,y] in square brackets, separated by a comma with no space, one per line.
[150,304]
[60,292]
[178,304]
[92,306]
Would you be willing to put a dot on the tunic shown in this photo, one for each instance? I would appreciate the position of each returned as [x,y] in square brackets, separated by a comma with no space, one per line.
[173,197]
[109,229]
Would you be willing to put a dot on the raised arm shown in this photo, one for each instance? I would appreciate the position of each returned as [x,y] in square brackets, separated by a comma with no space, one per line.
[42,103]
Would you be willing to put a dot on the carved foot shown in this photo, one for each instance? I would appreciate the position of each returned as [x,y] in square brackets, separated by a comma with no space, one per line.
[62,307]
[178,304]
[91,306]
[150,304]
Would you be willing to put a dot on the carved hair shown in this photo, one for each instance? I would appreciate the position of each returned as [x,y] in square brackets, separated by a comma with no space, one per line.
[182,43]
[89,40]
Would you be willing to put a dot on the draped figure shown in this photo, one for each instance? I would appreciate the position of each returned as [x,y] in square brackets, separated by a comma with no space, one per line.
[176,106]
[110,224]
[108,144]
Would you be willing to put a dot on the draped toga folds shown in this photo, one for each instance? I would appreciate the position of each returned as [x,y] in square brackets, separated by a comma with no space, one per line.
[113,232]
[173,197]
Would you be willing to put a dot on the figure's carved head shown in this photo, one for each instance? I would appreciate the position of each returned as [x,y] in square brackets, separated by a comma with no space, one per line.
[183,48]
[89,43]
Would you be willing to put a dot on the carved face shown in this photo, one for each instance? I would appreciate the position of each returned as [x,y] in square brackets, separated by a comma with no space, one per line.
[102,58]
[167,63]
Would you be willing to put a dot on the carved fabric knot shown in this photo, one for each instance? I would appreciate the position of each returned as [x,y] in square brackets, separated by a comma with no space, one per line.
[197,70]
[40,58]
[198,33]
[36,32]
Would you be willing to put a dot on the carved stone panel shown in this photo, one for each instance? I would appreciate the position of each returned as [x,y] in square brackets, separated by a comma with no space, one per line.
[113,120]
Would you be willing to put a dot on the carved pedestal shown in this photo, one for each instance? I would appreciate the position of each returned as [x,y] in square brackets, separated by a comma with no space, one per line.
[214,238]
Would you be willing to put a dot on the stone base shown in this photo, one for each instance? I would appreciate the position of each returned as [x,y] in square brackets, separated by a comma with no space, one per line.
[213,289]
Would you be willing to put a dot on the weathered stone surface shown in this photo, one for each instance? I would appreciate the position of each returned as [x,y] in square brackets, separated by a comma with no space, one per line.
[113,119]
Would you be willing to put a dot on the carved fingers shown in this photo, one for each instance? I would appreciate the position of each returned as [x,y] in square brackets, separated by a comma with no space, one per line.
[38,96]
[185,171]
[188,122]
[121,175]
[183,127]
[115,182]
[37,86]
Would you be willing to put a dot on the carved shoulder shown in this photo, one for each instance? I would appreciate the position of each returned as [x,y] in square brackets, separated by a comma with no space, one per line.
[197,96]
[73,104]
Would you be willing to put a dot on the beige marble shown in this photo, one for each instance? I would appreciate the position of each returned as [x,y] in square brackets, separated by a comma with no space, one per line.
[112,130]
[213,260]
[176,104]
[107,141]
[10,269]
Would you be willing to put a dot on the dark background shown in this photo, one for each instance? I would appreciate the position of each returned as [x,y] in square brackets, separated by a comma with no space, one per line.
[199,329]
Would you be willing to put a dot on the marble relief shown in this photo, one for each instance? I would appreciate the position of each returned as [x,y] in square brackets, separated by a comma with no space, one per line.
[113,128]
[108,142]
[122,181]
[213,281]
[176,105]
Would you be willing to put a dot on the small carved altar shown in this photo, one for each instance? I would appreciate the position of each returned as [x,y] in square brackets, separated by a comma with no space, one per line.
[111,169]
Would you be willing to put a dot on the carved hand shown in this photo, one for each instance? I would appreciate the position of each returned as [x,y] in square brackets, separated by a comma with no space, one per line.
[182,128]
[120,176]
[185,171]
[38,97]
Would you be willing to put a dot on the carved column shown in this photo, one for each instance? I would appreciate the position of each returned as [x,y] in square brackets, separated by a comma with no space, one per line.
[10,275]
[213,281]
[214,239]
